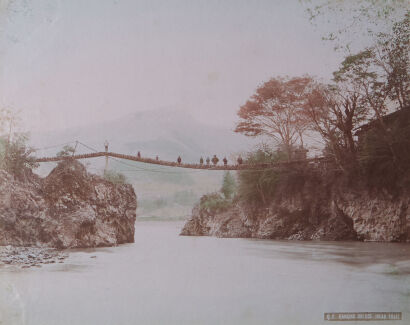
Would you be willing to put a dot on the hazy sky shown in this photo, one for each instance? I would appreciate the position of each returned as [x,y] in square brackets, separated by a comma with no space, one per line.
[74,62]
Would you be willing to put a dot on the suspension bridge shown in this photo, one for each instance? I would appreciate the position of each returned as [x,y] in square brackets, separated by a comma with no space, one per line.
[204,166]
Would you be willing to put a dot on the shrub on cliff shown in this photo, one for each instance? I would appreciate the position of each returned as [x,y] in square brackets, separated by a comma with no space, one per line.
[15,155]
[385,160]
[67,151]
[214,202]
[259,186]
[262,186]
[115,177]
[228,188]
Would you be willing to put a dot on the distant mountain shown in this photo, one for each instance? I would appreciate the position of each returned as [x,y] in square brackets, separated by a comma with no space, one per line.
[166,133]
[162,191]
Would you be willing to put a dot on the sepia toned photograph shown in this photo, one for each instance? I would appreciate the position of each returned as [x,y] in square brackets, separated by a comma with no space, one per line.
[204,162]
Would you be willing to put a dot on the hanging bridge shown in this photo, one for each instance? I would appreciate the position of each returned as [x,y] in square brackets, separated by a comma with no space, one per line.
[204,166]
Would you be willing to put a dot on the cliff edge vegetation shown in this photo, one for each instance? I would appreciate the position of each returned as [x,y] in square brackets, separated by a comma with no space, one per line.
[68,208]
[359,189]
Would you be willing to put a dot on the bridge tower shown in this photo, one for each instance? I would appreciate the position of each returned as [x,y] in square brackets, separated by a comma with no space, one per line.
[106,156]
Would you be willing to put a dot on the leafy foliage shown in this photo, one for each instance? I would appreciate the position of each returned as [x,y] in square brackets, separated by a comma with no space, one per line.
[392,57]
[228,186]
[350,23]
[67,151]
[275,110]
[380,168]
[8,121]
[214,202]
[370,84]
[115,177]
[259,186]
[15,155]
[334,112]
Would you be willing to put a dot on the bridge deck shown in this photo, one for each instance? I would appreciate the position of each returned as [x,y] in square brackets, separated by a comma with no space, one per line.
[184,165]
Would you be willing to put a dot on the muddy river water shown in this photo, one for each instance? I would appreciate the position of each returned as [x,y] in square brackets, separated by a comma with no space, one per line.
[164,278]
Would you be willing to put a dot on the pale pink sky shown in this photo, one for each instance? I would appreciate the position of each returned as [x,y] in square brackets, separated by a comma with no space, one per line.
[69,63]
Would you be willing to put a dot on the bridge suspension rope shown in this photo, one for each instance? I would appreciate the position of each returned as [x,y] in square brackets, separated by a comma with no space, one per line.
[135,168]
[119,157]
[54,146]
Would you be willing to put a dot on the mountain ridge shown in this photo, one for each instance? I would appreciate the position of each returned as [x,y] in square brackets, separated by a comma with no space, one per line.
[162,132]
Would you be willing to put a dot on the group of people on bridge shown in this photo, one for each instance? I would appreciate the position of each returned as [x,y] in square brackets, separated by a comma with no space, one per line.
[215,160]
[208,161]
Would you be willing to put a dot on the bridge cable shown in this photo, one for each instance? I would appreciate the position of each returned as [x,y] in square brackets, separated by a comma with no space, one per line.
[54,146]
[141,169]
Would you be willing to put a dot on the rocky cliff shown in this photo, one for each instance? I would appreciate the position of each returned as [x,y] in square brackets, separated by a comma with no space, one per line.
[69,208]
[313,213]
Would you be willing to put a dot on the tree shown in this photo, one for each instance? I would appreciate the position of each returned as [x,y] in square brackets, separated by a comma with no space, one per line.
[275,111]
[67,151]
[17,159]
[379,167]
[360,73]
[379,72]
[228,186]
[391,56]
[350,24]
[8,121]
[15,155]
[384,57]
[335,111]
[379,81]
[259,186]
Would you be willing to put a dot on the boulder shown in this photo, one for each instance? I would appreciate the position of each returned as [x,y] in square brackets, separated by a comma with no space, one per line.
[69,208]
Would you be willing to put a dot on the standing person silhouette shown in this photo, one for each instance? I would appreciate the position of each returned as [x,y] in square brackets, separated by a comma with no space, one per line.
[215,160]
[139,155]
[225,161]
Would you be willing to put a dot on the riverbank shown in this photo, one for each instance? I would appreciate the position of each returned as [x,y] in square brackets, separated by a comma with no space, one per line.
[27,257]
[316,209]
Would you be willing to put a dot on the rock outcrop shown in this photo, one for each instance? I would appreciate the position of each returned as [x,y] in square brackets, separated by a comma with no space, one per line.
[69,208]
[311,214]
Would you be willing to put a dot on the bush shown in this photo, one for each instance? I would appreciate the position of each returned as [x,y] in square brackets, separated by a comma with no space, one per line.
[67,151]
[115,177]
[15,155]
[214,202]
[228,186]
[259,186]
[381,167]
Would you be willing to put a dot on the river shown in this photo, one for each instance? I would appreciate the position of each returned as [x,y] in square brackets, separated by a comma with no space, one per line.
[164,278]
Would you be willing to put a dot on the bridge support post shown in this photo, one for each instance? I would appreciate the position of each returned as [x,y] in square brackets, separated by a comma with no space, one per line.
[75,148]
[106,156]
